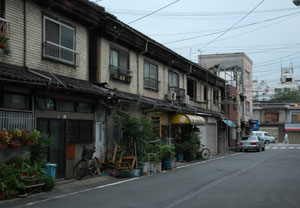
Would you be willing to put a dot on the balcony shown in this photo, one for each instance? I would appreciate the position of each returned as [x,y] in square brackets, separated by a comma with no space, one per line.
[60,53]
[120,74]
[4,28]
[179,91]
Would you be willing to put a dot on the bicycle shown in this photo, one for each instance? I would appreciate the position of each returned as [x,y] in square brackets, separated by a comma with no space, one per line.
[204,152]
[86,165]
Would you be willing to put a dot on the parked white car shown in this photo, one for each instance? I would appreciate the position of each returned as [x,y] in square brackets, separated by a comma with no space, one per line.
[252,143]
[266,136]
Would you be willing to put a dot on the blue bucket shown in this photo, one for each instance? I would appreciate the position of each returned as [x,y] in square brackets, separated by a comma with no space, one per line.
[167,163]
[180,157]
[51,170]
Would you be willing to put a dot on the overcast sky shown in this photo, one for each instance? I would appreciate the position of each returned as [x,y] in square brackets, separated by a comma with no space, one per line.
[270,35]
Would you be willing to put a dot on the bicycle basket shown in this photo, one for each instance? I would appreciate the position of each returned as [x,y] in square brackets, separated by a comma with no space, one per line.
[87,153]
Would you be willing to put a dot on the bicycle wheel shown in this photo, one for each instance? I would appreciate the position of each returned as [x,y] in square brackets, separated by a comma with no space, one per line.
[205,153]
[93,168]
[80,169]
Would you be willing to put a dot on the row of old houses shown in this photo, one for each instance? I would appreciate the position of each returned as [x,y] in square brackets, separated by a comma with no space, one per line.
[72,65]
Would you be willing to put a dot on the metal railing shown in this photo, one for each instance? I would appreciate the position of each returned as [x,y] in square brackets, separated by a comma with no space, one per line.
[4,28]
[22,121]
[120,73]
[60,53]
[179,91]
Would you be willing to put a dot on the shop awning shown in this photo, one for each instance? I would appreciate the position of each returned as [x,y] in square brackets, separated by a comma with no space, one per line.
[292,127]
[230,123]
[188,119]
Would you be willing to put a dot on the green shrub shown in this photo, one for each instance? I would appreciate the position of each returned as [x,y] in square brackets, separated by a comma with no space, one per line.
[49,183]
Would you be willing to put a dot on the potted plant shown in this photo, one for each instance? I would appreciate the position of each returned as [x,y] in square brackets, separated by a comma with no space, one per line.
[4,46]
[180,148]
[34,136]
[167,154]
[24,138]
[14,142]
[4,138]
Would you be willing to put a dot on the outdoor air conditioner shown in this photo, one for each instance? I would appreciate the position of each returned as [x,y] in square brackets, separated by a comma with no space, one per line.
[171,95]
[186,100]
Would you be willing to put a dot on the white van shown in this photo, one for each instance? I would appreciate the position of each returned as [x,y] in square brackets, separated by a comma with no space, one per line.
[266,136]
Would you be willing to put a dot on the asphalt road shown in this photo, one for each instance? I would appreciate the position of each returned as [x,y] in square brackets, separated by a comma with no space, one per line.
[248,179]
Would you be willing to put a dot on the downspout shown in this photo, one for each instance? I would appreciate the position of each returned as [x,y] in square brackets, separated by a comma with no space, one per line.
[25,34]
[138,66]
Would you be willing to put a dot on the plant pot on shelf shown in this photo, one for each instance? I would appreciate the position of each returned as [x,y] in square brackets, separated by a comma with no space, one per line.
[29,143]
[3,146]
[30,181]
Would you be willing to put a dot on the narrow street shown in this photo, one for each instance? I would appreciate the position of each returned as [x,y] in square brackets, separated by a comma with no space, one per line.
[247,179]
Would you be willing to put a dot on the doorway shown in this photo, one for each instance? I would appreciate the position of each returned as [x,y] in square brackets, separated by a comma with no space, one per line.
[57,153]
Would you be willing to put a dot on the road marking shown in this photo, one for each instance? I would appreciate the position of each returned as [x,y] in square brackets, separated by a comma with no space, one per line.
[292,148]
[117,183]
[282,147]
[298,147]
[267,147]
[274,147]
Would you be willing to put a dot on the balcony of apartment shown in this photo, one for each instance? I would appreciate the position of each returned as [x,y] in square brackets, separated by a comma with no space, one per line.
[60,53]
[120,73]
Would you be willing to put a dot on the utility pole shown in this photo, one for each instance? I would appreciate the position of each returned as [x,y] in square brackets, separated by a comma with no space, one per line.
[238,104]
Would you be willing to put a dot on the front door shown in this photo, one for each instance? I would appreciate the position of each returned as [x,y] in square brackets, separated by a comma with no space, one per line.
[57,153]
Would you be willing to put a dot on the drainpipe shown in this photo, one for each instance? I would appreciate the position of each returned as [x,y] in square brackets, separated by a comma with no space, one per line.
[138,66]
[25,34]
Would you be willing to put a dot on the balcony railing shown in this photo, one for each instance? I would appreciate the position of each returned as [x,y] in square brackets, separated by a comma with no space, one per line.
[119,73]
[23,121]
[179,91]
[60,53]
[4,28]
[150,83]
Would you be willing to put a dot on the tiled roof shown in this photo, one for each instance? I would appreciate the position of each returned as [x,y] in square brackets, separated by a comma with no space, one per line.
[16,73]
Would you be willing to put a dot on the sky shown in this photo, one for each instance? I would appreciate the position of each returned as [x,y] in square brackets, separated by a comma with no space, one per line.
[267,31]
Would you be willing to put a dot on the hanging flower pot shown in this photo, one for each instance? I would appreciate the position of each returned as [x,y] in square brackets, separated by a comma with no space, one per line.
[2,45]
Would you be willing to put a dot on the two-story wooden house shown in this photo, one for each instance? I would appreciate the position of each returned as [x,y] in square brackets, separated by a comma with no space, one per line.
[44,80]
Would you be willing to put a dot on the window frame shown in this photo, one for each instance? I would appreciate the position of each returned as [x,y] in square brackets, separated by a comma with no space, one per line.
[194,93]
[73,49]
[124,77]
[176,74]
[271,115]
[156,80]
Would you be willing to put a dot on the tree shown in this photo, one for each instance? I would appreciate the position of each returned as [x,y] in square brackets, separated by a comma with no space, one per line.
[287,95]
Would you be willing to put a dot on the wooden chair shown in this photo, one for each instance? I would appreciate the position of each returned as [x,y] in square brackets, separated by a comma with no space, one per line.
[110,156]
[125,164]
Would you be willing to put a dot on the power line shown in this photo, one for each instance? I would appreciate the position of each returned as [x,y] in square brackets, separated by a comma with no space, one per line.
[152,12]
[233,25]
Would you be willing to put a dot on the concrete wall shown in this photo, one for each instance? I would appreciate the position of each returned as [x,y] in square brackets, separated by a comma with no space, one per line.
[15,14]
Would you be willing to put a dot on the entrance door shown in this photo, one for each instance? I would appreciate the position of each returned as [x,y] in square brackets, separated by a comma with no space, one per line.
[57,153]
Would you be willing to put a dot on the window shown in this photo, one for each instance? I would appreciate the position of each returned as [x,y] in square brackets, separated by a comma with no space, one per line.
[44,104]
[66,106]
[296,118]
[119,65]
[85,108]
[59,42]
[2,8]
[16,101]
[234,104]
[205,94]
[156,126]
[173,79]
[80,131]
[216,96]
[150,76]
[271,117]
[192,88]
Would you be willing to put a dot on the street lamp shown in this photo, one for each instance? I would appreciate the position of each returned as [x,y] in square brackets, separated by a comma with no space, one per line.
[296,2]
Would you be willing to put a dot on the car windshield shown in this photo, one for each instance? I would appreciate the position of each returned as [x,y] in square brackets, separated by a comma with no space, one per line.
[250,138]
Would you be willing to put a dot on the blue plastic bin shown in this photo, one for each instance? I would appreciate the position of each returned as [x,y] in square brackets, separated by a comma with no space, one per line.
[51,170]
[167,163]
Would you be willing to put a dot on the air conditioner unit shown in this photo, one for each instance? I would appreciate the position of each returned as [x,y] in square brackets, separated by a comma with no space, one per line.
[171,95]
[186,100]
